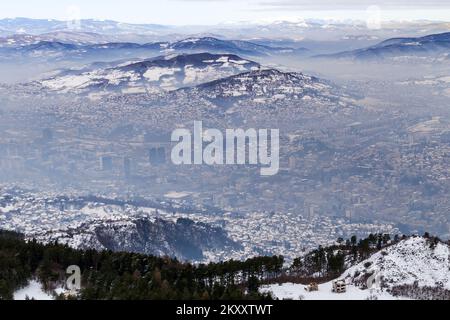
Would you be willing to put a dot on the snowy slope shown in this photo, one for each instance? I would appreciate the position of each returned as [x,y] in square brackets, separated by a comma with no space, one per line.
[408,262]
[162,73]
[268,83]
[415,264]
[184,239]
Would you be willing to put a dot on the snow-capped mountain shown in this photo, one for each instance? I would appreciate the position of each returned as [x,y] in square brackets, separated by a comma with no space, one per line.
[42,49]
[39,26]
[67,48]
[398,49]
[215,45]
[78,38]
[183,239]
[153,75]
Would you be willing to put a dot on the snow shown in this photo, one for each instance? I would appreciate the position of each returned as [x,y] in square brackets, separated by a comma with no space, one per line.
[241,62]
[190,40]
[7,209]
[177,195]
[412,261]
[155,73]
[222,59]
[445,79]
[408,262]
[290,291]
[115,77]
[67,82]
[133,90]
[32,291]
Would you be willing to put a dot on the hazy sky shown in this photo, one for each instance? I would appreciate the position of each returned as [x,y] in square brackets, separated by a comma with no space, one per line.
[181,12]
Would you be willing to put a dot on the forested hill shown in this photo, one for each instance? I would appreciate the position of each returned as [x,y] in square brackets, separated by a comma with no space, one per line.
[109,275]
[414,267]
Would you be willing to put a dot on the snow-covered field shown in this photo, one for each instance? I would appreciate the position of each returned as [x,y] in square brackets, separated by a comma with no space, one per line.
[290,291]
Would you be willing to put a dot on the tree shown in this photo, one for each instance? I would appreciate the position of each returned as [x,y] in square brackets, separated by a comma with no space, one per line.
[253,284]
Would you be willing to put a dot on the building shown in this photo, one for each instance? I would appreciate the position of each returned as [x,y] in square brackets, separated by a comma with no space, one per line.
[157,156]
[127,167]
[312,287]
[339,286]
[107,163]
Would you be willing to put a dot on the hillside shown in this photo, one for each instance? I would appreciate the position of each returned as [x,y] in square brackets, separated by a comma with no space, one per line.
[416,262]
[28,267]
[184,240]
[152,75]
[408,268]
[413,268]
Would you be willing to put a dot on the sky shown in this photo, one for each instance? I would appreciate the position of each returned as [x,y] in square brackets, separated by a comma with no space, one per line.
[210,12]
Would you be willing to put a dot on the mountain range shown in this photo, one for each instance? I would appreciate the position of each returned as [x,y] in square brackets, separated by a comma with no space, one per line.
[327,29]
[48,49]
[435,45]
[39,26]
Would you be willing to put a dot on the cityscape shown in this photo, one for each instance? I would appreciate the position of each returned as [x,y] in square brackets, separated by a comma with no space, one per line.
[344,126]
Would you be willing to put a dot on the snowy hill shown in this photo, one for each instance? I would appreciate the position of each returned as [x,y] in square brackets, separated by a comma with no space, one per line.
[416,268]
[183,239]
[415,260]
[158,74]
[266,83]
[274,90]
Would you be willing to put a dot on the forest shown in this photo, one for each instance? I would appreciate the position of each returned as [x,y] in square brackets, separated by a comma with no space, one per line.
[129,276]
[107,275]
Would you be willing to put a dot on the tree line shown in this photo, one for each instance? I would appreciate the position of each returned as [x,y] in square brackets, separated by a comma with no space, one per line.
[332,261]
[131,276]
[126,276]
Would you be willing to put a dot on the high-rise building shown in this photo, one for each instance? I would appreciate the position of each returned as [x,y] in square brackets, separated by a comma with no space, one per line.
[157,156]
[127,167]
[106,163]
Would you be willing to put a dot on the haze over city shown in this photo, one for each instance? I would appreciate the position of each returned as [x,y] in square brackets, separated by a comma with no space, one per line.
[222,150]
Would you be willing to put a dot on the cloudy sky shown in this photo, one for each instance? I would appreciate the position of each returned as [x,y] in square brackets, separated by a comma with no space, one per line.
[189,12]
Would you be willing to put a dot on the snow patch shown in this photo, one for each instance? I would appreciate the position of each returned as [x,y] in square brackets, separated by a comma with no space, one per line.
[32,291]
